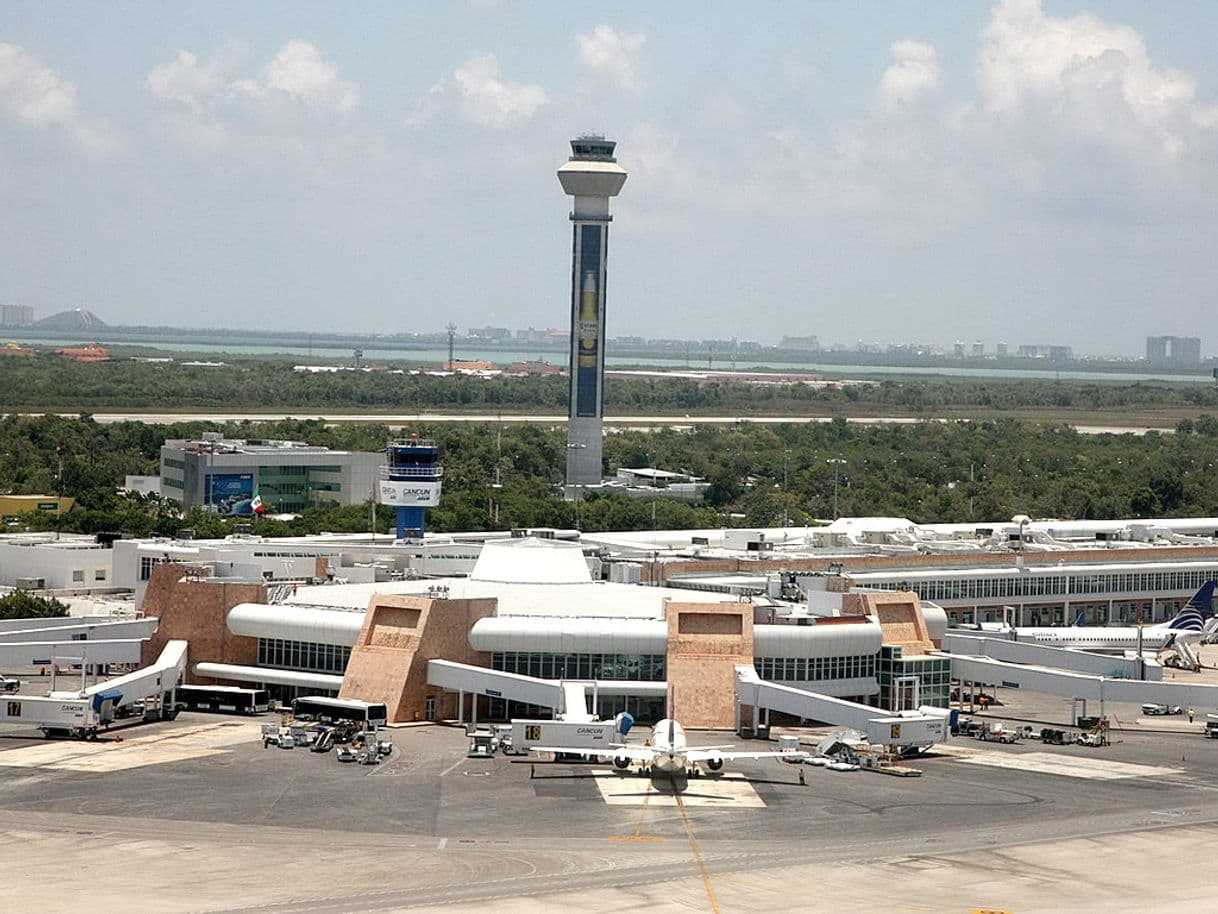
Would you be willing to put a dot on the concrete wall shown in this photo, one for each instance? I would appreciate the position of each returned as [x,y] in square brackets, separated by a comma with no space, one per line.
[400,634]
[706,641]
[195,610]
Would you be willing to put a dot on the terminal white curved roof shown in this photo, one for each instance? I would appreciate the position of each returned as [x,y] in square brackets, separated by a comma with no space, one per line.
[840,640]
[295,623]
[530,560]
[570,636]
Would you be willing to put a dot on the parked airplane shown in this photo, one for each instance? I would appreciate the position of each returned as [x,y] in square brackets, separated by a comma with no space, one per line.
[668,752]
[1191,624]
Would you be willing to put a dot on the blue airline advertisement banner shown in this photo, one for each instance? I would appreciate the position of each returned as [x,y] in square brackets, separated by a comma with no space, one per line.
[588,320]
[231,493]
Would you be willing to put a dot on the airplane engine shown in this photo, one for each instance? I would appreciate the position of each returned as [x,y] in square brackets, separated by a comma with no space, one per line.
[715,763]
[621,762]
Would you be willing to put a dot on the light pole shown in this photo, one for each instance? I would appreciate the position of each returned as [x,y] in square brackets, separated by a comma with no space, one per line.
[452,331]
[837,462]
[786,456]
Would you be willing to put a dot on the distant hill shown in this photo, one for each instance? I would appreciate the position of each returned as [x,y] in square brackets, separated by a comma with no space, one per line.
[77,319]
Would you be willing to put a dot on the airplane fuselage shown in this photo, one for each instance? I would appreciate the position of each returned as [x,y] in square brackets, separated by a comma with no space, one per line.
[668,741]
[1100,639]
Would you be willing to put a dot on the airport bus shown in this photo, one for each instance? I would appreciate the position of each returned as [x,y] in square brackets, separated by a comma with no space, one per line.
[318,707]
[231,699]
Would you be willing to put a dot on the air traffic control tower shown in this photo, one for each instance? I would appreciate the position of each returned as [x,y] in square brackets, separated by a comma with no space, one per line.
[591,176]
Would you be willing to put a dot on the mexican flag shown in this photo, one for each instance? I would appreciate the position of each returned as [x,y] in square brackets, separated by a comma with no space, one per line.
[256,505]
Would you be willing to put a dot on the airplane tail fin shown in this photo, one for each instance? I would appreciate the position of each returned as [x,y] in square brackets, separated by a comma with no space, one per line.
[1081,619]
[1193,615]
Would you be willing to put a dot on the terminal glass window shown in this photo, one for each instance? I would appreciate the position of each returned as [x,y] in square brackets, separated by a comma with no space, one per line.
[307,656]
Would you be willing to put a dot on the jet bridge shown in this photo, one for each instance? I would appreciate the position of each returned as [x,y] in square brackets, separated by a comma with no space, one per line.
[1079,685]
[905,729]
[568,697]
[79,629]
[46,653]
[1059,658]
[82,712]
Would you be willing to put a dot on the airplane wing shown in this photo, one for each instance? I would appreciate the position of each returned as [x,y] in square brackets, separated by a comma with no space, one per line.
[634,753]
[705,753]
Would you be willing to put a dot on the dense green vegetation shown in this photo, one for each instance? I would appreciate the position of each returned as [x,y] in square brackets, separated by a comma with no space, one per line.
[50,383]
[21,605]
[931,471]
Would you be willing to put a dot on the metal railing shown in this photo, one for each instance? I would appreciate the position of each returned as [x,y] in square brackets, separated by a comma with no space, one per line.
[411,472]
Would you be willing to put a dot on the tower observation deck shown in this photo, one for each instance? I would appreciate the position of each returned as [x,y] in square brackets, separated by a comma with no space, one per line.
[590,176]
[411,481]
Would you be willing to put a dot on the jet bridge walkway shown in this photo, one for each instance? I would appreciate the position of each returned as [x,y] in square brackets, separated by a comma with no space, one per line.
[78,629]
[906,729]
[93,653]
[1079,685]
[569,698]
[1067,659]
[82,712]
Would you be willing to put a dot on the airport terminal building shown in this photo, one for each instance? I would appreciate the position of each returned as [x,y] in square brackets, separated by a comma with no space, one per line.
[531,607]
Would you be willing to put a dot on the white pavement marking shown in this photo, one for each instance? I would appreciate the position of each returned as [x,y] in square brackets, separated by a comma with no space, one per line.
[1090,768]
[727,792]
[443,844]
[156,747]
[453,767]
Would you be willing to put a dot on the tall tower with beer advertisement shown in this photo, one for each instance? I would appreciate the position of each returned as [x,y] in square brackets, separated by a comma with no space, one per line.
[590,176]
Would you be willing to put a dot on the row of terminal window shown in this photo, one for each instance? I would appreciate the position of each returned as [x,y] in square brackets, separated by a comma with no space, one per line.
[307,656]
[635,667]
[1052,585]
[810,669]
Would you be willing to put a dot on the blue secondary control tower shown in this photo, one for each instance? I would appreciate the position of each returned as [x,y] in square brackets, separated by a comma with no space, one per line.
[411,482]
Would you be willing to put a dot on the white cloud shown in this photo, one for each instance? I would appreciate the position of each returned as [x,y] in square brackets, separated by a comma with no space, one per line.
[914,71]
[187,80]
[612,53]
[301,72]
[1087,75]
[298,74]
[32,93]
[489,99]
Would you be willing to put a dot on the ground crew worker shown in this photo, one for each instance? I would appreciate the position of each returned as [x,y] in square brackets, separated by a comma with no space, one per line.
[1191,712]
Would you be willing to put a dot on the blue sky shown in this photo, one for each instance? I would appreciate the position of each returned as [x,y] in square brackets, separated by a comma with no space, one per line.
[1023,171]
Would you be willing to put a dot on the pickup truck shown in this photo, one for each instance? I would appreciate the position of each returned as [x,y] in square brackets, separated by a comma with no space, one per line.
[997,733]
[9,685]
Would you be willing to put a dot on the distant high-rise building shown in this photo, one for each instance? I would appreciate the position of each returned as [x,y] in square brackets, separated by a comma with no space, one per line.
[978,349]
[590,176]
[16,315]
[958,349]
[1001,350]
[806,343]
[1051,352]
[1173,350]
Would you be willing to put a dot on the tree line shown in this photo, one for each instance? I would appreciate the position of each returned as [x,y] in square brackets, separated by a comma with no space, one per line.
[264,384]
[758,475]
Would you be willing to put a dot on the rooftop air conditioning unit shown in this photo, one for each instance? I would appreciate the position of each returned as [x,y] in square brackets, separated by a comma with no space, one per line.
[31,583]
[186,533]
